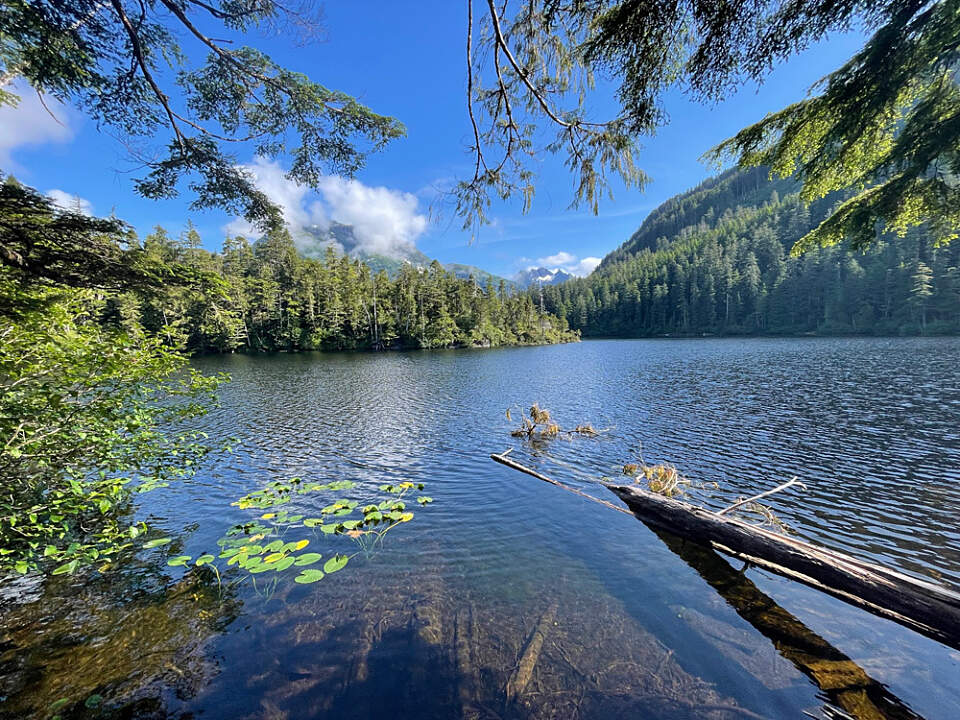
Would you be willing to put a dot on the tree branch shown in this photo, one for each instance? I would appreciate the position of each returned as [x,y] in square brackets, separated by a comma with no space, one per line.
[144,68]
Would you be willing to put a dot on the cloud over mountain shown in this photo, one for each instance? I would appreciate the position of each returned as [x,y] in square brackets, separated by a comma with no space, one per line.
[384,221]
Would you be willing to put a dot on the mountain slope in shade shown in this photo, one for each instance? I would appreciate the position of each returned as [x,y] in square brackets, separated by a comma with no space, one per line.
[534,277]
[716,261]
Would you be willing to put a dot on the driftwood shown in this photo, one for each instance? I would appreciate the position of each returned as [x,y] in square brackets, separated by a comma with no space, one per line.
[841,680]
[768,493]
[531,653]
[504,460]
[922,606]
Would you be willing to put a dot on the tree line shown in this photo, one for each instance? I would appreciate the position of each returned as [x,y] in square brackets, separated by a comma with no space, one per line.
[265,297]
[718,260]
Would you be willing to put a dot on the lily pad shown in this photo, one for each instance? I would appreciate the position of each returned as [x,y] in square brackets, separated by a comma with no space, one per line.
[284,563]
[337,562]
[307,559]
[309,576]
[179,560]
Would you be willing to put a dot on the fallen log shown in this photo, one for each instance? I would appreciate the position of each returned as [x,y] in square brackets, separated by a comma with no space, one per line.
[531,654]
[839,678]
[925,607]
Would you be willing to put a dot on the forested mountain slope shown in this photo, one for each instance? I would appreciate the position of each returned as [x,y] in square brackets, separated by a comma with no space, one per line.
[716,260]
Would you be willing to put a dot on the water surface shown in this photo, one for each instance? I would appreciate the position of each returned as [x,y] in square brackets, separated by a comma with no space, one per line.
[435,623]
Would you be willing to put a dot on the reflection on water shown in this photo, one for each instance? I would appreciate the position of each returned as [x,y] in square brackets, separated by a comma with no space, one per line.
[506,583]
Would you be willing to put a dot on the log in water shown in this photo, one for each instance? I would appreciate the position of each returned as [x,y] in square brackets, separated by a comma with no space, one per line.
[925,607]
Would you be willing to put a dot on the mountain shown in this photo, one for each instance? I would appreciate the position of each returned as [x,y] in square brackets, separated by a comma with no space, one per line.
[535,277]
[483,278]
[314,241]
[716,260]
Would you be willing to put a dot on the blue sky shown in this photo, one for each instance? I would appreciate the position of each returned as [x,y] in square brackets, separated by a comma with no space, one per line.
[407,60]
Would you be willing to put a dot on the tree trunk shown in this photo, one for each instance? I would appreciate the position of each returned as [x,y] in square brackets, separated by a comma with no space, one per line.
[925,607]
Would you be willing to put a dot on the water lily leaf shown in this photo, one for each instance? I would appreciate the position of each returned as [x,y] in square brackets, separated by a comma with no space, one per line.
[329,529]
[294,545]
[284,563]
[157,542]
[351,524]
[293,518]
[203,560]
[424,500]
[229,552]
[66,569]
[249,563]
[329,509]
[313,522]
[406,517]
[260,568]
[179,560]
[398,506]
[307,559]
[267,516]
[372,517]
[337,562]
[253,549]
[239,558]
[395,515]
[309,576]
[274,546]
[344,511]
[273,557]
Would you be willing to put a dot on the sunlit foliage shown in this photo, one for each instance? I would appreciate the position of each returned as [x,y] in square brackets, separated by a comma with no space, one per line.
[122,63]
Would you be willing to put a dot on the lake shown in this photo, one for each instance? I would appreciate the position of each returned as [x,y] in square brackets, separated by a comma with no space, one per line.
[505,585]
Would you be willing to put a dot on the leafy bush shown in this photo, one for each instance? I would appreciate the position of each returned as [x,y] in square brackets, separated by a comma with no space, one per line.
[88,417]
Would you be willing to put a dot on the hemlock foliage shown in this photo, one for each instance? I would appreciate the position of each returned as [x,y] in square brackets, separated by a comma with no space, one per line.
[886,124]
[121,62]
[717,260]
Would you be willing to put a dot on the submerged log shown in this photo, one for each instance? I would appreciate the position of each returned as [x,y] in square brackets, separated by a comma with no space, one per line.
[531,654]
[841,680]
[922,606]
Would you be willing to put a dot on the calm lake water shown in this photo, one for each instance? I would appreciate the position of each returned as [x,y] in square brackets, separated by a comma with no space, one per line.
[446,618]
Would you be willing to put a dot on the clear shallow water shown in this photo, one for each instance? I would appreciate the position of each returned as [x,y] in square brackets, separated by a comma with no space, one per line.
[434,624]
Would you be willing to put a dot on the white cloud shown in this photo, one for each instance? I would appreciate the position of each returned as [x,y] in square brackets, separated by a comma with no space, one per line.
[385,221]
[73,203]
[29,123]
[561,258]
[271,179]
[586,266]
[567,262]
